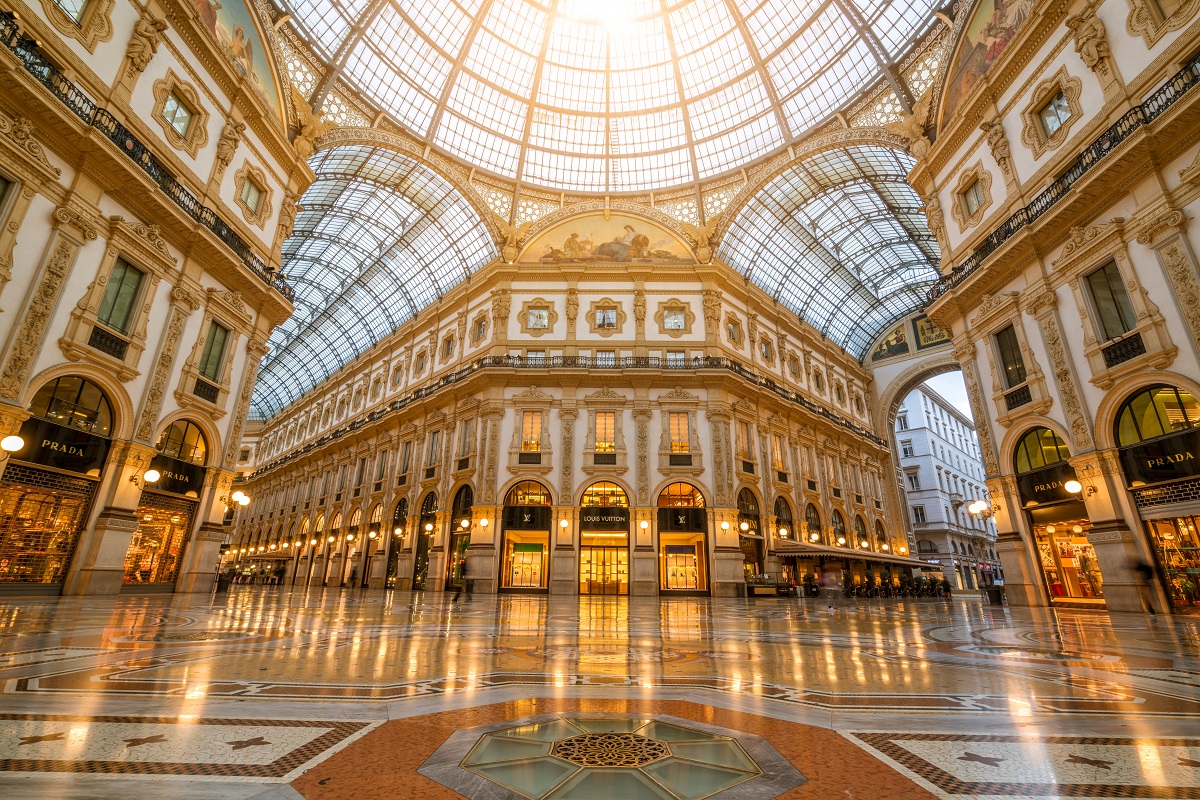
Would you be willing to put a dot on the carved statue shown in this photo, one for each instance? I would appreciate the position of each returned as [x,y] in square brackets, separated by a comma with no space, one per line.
[147,33]
[702,236]
[639,306]
[1091,40]
[513,236]
[912,126]
[227,145]
[287,214]
[310,125]
[998,142]
[572,305]
[712,308]
[936,221]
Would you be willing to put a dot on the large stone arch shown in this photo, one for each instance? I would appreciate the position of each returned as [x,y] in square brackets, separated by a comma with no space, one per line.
[891,395]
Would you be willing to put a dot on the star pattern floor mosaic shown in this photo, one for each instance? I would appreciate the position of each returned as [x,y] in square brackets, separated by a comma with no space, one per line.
[328,694]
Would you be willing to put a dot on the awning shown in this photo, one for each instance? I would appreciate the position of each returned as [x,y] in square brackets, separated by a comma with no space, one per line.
[786,547]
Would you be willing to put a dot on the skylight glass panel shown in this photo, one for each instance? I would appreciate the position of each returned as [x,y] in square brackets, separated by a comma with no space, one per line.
[718,63]
[728,108]
[580,45]
[695,24]
[653,130]
[521,24]
[571,133]
[484,105]
[637,45]
[572,89]
[478,146]
[513,69]
[895,21]
[658,169]
[810,53]
[406,103]
[444,22]
[559,170]
[776,21]
[830,89]
[327,20]
[642,89]
[750,141]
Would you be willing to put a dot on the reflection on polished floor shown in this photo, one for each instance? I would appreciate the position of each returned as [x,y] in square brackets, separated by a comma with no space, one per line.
[329,694]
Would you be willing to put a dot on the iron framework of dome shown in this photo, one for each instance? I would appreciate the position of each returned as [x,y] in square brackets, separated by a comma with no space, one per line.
[610,95]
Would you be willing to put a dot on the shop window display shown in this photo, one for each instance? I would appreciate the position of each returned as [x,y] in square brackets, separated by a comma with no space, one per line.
[1177,545]
[1068,561]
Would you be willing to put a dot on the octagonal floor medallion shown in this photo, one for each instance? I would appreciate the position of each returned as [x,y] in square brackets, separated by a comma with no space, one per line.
[606,756]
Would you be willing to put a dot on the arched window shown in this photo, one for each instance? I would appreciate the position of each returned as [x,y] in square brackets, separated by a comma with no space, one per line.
[812,518]
[400,517]
[376,516]
[463,500]
[320,526]
[860,531]
[747,504]
[336,522]
[783,517]
[356,518]
[680,495]
[1156,411]
[528,493]
[880,534]
[839,527]
[604,494]
[429,505]
[183,441]
[74,403]
[1041,447]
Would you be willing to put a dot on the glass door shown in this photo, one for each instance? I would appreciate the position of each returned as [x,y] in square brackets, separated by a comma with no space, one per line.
[604,570]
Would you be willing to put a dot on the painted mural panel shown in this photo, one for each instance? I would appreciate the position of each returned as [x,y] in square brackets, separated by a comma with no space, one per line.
[985,37]
[928,334]
[617,239]
[235,29]
[894,344]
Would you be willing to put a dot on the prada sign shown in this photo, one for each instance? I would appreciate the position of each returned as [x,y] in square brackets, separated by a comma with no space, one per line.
[1045,485]
[1165,459]
[62,448]
[526,518]
[604,519]
[177,477]
[683,519]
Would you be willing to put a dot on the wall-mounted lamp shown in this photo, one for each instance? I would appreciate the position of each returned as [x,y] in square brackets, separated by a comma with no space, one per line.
[884,546]
[9,445]
[562,523]
[645,524]
[745,526]
[371,534]
[724,526]
[1075,487]
[331,539]
[903,550]
[483,523]
[466,523]
[783,531]
[864,544]
[841,540]
[238,498]
[982,509]
[398,532]
[149,476]
[814,536]
[312,541]
[428,527]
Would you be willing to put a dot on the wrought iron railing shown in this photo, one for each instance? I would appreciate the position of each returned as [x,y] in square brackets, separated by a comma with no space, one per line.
[582,362]
[1138,116]
[70,95]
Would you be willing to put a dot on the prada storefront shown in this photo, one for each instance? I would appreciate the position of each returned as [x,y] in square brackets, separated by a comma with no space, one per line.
[525,538]
[1158,432]
[1058,520]
[682,540]
[167,509]
[48,484]
[604,540]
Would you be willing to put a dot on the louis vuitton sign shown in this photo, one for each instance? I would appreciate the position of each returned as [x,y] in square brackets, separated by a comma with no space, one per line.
[604,519]
[526,518]
[691,520]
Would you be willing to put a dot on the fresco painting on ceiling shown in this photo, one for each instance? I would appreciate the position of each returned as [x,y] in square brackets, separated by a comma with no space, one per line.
[619,239]
[993,26]
[894,344]
[233,26]
[928,334]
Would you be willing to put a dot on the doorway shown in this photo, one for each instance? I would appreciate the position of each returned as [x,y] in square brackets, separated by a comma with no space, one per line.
[604,569]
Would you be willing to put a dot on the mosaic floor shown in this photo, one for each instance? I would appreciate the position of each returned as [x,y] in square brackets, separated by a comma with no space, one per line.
[325,695]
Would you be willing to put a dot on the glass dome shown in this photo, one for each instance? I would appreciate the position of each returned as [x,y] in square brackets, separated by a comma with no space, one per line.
[610,95]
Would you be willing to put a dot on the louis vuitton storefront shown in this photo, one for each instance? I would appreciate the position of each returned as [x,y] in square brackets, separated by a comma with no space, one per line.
[682,540]
[525,539]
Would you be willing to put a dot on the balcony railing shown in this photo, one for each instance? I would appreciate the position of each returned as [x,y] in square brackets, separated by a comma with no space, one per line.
[581,362]
[86,109]
[1132,120]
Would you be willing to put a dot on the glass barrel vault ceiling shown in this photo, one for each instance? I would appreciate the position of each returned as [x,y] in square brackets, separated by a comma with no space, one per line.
[380,237]
[840,239]
[611,95]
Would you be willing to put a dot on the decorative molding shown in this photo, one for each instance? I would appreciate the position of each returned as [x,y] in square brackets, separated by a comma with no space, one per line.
[1091,43]
[259,216]
[605,396]
[597,305]
[674,304]
[702,237]
[25,136]
[162,373]
[94,26]
[1033,135]
[227,145]
[958,209]
[197,132]
[1170,220]
[987,446]
[535,304]
[1177,261]
[1061,367]
[936,221]
[678,395]
[32,330]
[1146,19]
[1001,151]
[535,394]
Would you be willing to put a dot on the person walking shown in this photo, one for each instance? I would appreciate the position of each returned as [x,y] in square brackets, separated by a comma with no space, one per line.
[462,581]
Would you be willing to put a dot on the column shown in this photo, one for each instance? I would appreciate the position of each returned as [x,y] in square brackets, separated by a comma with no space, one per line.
[1024,584]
